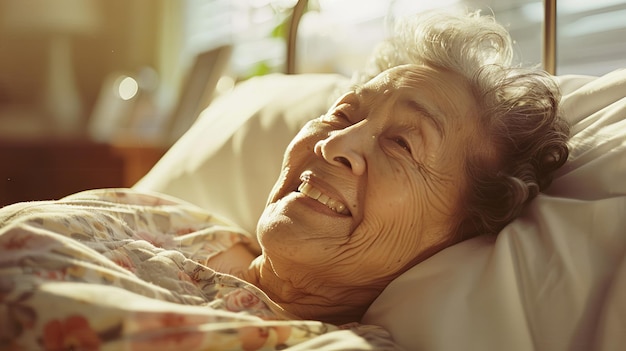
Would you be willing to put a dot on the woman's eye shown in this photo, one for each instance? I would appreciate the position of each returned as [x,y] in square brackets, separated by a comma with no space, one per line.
[403,144]
[336,117]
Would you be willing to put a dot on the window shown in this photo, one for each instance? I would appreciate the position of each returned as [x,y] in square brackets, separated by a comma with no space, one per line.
[337,35]
[253,27]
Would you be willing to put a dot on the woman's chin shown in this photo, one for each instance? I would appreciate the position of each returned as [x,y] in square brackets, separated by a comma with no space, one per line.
[296,219]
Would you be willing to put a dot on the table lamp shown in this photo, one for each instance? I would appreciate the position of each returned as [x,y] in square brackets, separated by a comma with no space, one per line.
[58,21]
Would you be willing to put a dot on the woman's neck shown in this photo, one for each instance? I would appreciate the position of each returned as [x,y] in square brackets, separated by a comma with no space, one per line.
[300,291]
[314,301]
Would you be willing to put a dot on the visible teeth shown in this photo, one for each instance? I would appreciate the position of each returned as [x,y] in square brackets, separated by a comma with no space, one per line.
[323,199]
[308,190]
[341,208]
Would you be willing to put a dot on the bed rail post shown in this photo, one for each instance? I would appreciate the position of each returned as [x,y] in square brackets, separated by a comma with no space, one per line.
[549,36]
[292,35]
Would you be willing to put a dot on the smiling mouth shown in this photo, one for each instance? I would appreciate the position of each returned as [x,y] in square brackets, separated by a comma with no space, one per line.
[315,194]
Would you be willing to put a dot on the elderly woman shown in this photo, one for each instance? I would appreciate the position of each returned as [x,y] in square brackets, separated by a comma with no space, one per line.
[441,140]
[447,142]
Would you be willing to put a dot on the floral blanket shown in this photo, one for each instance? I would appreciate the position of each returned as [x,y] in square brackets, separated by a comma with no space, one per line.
[119,270]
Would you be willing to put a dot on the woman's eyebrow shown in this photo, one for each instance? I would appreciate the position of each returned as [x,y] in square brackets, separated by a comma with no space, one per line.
[357,87]
[434,117]
[362,94]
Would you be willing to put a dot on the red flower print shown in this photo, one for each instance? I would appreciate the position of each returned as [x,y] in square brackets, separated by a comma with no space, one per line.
[255,338]
[175,331]
[121,259]
[183,231]
[16,240]
[242,300]
[73,333]
[51,275]
[163,241]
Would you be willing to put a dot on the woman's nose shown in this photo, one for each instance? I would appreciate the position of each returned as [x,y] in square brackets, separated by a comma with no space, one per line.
[343,148]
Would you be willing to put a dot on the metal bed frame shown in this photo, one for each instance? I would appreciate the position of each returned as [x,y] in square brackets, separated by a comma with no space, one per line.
[548,45]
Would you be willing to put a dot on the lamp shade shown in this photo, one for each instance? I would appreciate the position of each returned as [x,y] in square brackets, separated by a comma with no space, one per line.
[52,16]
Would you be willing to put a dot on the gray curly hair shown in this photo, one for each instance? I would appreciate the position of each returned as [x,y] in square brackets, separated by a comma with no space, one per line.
[518,108]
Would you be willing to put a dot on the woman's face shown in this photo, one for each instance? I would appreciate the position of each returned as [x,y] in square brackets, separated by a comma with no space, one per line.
[368,188]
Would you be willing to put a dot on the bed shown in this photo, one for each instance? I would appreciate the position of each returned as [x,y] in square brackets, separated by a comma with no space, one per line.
[117,269]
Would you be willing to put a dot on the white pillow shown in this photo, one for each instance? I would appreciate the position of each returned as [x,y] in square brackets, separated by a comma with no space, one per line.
[228,161]
[554,278]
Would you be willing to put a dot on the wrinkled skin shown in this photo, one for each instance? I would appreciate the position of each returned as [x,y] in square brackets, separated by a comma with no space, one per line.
[390,155]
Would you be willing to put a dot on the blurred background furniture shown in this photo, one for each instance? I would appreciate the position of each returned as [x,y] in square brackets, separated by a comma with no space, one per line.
[46,169]
[57,23]
[154,45]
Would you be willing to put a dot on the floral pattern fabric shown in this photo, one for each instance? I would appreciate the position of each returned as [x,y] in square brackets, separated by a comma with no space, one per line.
[115,269]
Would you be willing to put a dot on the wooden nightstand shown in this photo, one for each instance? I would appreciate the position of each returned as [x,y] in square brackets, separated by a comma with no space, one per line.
[51,169]
[137,160]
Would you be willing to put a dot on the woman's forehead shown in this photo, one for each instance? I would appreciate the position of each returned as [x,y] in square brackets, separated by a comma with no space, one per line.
[411,76]
[444,91]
